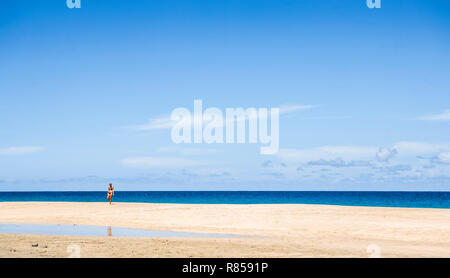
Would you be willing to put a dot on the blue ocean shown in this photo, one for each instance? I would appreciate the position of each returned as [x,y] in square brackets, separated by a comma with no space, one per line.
[344,198]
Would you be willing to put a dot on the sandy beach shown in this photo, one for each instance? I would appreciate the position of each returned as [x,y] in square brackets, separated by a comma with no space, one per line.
[270,230]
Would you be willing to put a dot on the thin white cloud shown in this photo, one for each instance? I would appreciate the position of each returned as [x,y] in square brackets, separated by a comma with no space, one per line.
[340,163]
[166,162]
[285,109]
[351,153]
[441,158]
[385,154]
[418,148]
[444,157]
[444,116]
[20,150]
[162,122]
[165,122]
[187,151]
[346,153]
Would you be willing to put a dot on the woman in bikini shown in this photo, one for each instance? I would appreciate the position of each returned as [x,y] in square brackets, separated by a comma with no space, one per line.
[110,193]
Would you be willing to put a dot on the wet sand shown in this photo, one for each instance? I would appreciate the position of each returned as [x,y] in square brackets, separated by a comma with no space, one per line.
[278,230]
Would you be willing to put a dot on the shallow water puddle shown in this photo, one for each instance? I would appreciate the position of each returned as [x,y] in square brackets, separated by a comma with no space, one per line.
[85,230]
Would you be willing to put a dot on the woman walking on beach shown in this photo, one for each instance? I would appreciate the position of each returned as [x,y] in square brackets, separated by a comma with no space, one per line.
[110,193]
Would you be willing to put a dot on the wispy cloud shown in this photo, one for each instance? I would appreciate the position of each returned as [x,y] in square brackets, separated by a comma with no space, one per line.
[346,153]
[20,150]
[285,109]
[441,158]
[394,169]
[355,153]
[165,122]
[166,162]
[385,154]
[444,116]
[418,148]
[339,163]
[188,151]
[161,122]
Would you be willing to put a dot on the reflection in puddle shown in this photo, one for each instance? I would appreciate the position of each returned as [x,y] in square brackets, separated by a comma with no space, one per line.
[85,230]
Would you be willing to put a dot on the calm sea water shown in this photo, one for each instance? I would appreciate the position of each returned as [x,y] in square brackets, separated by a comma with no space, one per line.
[346,198]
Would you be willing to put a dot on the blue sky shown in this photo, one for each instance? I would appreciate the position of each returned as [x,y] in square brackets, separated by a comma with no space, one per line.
[369,88]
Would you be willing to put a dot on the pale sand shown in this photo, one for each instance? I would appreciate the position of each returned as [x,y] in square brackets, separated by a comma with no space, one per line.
[286,230]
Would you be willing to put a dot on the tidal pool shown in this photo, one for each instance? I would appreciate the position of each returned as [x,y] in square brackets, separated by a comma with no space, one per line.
[85,230]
